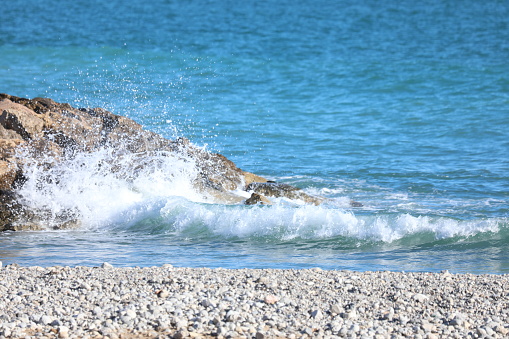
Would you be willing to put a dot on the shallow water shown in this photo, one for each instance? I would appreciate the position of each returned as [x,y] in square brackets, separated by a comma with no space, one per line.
[402,107]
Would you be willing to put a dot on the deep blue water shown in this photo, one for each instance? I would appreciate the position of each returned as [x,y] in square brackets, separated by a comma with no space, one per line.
[402,106]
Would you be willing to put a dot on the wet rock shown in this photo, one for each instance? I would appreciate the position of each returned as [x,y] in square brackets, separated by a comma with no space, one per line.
[278,190]
[354,203]
[256,198]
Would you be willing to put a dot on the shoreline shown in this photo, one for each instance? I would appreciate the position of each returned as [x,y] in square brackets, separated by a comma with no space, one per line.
[179,302]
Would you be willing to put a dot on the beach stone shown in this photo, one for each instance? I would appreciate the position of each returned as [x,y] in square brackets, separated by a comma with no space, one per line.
[55,323]
[206,303]
[316,314]
[103,313]
[106,266]
[232,316]
[63,332]
[85,286]
[336,309]
[427,327]
[181,334]
[163,294]
[271,299]
[502,330]
[131,313]
[420,297]
[46,320]
[351,315]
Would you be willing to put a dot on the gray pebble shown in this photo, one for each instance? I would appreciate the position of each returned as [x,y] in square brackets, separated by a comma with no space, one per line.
[106,266]
[182,302]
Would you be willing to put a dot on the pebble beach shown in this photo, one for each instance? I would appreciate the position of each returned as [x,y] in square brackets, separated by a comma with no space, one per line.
[174,302]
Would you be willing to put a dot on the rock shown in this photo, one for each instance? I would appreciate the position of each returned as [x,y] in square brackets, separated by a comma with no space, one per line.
[270,299]
[162,294]
[206,303]
[427,327]
[502,330]
[354,203]
[257,199]
[8,173]
[352,315]
[20,120]
[277,190]
[316,314]
[420,297]
[46,320]
[106,266]
[181,334]
[250,178]
[336,309]
[232,316]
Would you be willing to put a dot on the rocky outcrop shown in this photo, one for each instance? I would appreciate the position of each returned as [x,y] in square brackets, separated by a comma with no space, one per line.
[45,132]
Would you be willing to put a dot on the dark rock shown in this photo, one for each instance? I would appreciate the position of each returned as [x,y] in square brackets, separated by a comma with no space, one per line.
[256,198]
[277,190]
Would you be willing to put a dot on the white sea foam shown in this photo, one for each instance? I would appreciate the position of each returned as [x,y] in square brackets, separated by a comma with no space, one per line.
[105,189]
[100,187]
[285,222]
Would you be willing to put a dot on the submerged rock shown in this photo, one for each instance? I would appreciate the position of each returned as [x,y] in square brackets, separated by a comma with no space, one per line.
[42,133]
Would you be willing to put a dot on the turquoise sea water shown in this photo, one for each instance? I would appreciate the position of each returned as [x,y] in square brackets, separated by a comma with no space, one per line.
[402,106]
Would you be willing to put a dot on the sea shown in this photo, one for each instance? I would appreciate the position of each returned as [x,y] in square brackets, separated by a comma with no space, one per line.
[402,106]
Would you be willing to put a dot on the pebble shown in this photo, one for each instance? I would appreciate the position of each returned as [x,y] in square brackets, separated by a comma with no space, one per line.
[167,301]
[271,299]
[106,266]
[420,297]
[162,294]
[336,309]
[317,314]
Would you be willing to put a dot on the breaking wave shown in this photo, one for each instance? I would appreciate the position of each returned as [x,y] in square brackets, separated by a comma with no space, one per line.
[105,190]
